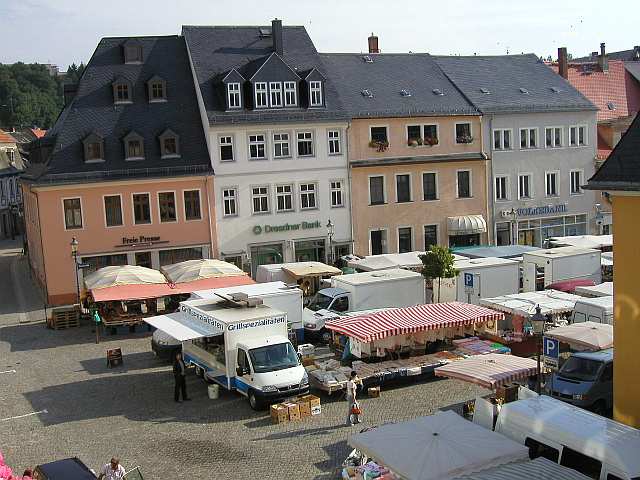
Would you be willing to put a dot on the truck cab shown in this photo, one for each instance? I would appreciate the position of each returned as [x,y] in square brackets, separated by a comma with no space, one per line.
[325,305]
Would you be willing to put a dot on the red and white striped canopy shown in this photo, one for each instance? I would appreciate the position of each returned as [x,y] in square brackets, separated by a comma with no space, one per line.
[400,321]
[490,370]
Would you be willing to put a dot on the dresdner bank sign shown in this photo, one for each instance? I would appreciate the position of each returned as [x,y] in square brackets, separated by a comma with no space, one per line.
[543,210]
[260,229]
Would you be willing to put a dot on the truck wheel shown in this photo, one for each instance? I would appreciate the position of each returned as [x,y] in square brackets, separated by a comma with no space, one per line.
[326,336]
[253,401]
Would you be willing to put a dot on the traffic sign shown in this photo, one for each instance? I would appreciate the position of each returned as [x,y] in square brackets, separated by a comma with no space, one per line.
[551,351]
[468,280]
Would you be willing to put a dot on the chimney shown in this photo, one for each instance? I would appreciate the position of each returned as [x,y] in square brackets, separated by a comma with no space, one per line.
[636,53]
[276,33]
[602,59]
[562,63]
[373,44]
[69,91]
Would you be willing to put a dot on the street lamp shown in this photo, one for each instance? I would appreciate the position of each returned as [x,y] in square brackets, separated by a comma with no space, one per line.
[537,323]
[330,233]
[74,253]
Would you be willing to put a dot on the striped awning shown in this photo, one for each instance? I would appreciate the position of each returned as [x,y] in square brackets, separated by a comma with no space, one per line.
[466,225]
[490,370]
[400,321]
[539,469]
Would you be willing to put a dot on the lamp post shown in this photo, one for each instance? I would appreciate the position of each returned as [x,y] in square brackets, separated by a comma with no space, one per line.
[330,233]
[74,253]
[537,322]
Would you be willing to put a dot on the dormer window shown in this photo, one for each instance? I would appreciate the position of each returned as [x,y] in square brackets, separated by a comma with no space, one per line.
[233,95]
[275,94]
[261,95]
[315,93]
[169,145]
[132,51]
[157,89]
[122,91]
[134,147]
[290,94]
[93,148]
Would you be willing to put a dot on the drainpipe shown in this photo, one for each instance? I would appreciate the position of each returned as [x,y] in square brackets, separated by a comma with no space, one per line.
[490,185]
[349,178]
[211,213]
[44,266]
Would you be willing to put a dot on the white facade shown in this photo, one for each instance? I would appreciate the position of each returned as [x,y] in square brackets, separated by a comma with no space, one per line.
[535,190]
[275,208]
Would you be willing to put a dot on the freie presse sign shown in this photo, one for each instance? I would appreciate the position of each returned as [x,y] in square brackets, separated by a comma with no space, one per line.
[260,229]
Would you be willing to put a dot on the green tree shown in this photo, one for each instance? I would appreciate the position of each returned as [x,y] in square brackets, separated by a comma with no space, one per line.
[437,263]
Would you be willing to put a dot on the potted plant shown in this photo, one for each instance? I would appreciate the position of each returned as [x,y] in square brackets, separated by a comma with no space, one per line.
[464,139]
[379,145]
[431,141]
[414,142]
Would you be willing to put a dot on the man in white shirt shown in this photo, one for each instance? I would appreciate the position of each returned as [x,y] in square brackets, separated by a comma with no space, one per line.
[352,388]
[112,470]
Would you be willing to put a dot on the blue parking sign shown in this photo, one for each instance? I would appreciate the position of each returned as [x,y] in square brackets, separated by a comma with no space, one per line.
[551,348]
[468,280]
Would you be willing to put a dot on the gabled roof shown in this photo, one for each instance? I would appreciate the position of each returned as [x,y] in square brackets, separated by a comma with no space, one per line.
[385,77]
[512,84]
[6,137]
[274,62]
[626,55]
[233,74]
[93,111]
[621,171]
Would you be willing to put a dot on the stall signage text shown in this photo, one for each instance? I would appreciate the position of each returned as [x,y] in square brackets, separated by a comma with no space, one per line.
[259,229]
[258,323]
[203,318]
[140,239]
[543,210]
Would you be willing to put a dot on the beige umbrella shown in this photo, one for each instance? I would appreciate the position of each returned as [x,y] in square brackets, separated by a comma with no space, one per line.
[122,275]
[584,335]
[191,270]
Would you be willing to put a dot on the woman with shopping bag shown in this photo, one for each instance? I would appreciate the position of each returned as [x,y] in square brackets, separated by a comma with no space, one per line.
[353,413]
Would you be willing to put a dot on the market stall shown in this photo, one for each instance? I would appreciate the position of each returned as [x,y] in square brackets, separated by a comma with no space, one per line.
[603,290]
[193,270]
[123,275]
[538,469]
[308,275]
[599,242]
[407,260]
[439,446]
[584,335]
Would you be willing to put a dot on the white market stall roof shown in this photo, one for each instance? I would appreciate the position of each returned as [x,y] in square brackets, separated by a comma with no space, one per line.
[552,302]
[440,446]
[603,290]
[191,270]
[181,327]
[309,269]
[391,260]
[399,321]
[122,275]
[538,469]
[584,335]
[606,259]
[584,241]
[490,370]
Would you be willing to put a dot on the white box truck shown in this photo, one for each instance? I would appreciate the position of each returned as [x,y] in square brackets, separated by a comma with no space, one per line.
[238,346]
[599,310]
[362,291]
[544,267]
[481,278]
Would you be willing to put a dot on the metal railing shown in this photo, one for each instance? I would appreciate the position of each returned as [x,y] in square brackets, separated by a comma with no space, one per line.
[75,177]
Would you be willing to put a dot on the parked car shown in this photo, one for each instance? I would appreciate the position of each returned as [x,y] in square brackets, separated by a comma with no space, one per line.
[67,469]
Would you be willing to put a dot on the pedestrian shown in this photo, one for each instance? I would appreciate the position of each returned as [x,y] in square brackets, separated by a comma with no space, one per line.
[112,470]
[352,388]
[179,371]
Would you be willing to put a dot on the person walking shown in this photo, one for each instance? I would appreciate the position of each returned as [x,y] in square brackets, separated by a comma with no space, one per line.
[352,388]
[179,372]
[112,470]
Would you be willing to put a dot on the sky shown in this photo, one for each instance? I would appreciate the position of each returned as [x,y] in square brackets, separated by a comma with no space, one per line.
[66,31]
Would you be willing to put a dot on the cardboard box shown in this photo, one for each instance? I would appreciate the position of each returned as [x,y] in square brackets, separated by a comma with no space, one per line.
[373,392]
[308,360]
[314,403]
[305,408]
[293,411]
[279,413]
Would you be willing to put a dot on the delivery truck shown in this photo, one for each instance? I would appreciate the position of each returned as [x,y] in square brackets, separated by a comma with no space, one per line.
[599,310]
[362,291]
[239,344]
[544,267]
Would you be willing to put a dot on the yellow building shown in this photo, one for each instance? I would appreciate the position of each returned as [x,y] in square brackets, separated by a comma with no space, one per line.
[620,177]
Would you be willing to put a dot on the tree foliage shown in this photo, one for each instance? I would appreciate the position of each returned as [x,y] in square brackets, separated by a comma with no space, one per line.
[437,263]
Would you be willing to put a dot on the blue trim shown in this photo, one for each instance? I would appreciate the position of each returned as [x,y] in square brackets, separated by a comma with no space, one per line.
[241,386]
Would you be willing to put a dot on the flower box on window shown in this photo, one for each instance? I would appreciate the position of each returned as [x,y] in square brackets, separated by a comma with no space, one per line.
[414,142]
[379,145]
[464,139]
[430,141]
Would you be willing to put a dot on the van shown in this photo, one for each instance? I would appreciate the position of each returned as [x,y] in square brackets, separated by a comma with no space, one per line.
[599,310]
[597,447]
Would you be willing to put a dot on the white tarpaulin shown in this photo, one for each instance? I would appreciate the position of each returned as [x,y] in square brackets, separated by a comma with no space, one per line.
[603,290]
[584,241]
[410,260]
[437,447]
[181,327]
[552,302]
[538,469]
[123,275]
[192,270]
[584,335]
[310,269]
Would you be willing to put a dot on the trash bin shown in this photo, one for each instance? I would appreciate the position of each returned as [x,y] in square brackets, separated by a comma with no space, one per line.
[214,391]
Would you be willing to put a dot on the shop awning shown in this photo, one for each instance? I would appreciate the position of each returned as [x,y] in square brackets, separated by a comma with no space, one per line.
[439,446]
[180,327]
[490,370]
[538,469]
[603,290]
[400,321]
[466,225]
[584,335]
[551,302]
[310,269]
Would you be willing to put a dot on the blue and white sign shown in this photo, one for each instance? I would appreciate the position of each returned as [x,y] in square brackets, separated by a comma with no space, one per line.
[551,351]
[468,280]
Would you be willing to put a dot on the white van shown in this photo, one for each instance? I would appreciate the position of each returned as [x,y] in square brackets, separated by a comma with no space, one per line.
[593,445]
[599,310]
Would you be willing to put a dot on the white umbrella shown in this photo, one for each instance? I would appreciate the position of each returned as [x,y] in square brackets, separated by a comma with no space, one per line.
[191,270]
[122,275]
[585,335]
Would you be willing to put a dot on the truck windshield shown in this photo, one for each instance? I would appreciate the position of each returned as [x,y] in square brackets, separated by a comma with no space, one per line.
[273,357]
[320,301]
[583,369]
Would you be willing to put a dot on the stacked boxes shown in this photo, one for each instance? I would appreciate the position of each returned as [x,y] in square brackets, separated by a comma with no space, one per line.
[279,413]
[292,411]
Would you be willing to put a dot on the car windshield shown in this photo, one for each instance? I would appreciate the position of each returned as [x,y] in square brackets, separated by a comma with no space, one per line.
[320,302]
[273,357]
[576,368]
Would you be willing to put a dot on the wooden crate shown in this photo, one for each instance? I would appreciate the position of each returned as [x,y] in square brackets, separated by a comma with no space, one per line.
[64,317]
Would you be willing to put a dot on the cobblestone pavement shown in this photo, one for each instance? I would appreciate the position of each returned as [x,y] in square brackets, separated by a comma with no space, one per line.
[63,401]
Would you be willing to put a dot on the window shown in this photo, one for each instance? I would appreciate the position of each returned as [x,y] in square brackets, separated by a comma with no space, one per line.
[290,94]
[233,95]
[503,233]
[376,190]
[281,145]
[141,208]
[553,137]
[284,198]
[430,236]
[167,206]
[132,52]
[334,142]
[429,186]
[122,92]
[551,182]
[524,186]
[378,134]
[463,133]
[430,134]
[378,242]
[607,373]
[226,148]
[257,146]
[405,239]
[261,95]
[576,182]
[577,136]
[582,463]
[414,134]
[157,90]
[93,150]
[169,145]
[260,199]
[502,139]
[464,183]
[133,146]
[403,188]
[539,449]
[94,263]
[308,196]
[113,211]
[305,144]
[275,91]
[337,195]
[528,138]
[502,188]
[177,255]
[72,213]
[192,205]
[230,201]
[315,93]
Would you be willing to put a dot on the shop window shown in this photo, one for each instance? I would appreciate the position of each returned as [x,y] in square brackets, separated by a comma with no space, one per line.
[470,240]
[503,233]
[192,205]
[95,263]
[143,259]
[582,463]
[310,251]
[539,449]
[167,205]
[177,255]
[376,190]
[405,239]
[430,236]
[72,213]
[113,210]
[141,208]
